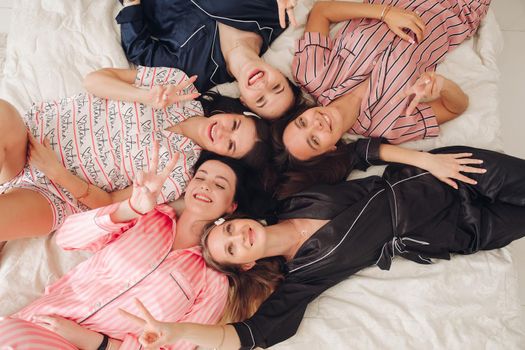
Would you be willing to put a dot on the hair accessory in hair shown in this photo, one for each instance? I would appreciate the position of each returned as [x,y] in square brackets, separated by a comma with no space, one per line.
[251,114]
[219,221]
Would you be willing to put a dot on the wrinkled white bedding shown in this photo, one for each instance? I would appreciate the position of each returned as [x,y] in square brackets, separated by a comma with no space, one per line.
[468,302]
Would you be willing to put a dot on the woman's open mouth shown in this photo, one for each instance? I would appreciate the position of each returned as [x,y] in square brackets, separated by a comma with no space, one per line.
[211,131]
[251,236]
[202,198]
[255,76]
[326,120]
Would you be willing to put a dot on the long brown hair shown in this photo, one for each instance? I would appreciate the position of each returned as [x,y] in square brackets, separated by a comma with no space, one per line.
[248,288]
[294,175]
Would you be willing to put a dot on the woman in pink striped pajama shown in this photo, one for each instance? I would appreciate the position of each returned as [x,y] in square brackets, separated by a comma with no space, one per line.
[376,76]
[151,256]
[94,143]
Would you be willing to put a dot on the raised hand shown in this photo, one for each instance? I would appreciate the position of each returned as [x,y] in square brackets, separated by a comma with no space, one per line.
[162,96]
[286,8]
[155,334]
[399,19]
[427,88]
[450,167]
[148,184]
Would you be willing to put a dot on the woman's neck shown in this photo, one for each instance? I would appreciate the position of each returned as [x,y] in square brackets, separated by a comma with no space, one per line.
[287,236]
[349,105]
[238,47]
[188,230]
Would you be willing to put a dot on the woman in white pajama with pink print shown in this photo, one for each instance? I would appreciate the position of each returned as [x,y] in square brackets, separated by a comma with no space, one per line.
[85,150]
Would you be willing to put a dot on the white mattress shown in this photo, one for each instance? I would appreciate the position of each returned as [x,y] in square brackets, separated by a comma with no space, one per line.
[468,302]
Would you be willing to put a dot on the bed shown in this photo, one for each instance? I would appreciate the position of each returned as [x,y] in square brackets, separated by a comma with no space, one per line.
[469,302]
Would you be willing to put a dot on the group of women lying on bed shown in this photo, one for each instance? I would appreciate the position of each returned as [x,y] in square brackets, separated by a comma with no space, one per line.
[144,136]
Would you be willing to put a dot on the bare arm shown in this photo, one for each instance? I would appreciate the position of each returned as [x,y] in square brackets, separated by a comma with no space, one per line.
[444,167]
[157,334]
[115,84]
[325,13]
[451,103]
[44,158]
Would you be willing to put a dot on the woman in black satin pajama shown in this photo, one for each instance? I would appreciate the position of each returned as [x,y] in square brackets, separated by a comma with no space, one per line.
[407,212]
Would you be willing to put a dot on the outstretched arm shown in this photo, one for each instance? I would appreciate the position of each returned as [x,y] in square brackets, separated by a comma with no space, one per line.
[157,334]
[117,84]
[445,167]
[325,13]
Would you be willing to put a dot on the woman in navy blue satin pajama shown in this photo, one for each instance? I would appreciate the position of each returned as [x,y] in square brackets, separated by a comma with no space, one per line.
[186,34]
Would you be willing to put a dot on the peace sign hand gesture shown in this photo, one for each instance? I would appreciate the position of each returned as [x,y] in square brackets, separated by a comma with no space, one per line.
[427,88]
[155,333]
[148,184]
[162,96]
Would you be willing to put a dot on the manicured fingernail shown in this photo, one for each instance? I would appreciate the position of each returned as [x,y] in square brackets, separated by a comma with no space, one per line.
[484,170]
[475,182]
[411,41]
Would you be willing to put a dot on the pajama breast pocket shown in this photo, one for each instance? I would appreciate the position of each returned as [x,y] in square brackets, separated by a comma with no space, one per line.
[179,292]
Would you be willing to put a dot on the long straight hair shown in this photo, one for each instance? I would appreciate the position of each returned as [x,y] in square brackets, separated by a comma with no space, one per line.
[248,288]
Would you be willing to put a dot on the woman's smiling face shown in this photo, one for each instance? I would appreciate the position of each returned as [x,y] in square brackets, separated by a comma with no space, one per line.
[314,132]
[231,135]
[239,241]
[211,192]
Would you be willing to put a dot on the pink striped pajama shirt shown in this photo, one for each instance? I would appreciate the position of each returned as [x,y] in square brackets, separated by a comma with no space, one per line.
[132,260]
[106,141]
[367,51]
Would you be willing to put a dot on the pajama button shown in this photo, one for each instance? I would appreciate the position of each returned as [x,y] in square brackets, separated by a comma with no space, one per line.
[374,62]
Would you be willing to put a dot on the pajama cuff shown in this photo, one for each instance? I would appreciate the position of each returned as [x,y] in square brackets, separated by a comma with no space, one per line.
[246,335]
[103,219]
[313,38]
[129,14]
[368,149]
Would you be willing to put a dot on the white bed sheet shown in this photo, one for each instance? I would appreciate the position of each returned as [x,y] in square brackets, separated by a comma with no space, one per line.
[468,302]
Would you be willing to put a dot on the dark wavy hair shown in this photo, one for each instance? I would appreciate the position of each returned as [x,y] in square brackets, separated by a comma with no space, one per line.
[293,175]
[248,288]
[261,153]
[250,195]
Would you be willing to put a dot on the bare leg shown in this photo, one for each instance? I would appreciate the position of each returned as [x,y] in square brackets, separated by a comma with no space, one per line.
[25,213]
[13,142]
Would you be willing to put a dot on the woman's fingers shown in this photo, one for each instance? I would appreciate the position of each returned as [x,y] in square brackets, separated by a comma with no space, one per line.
[282,14]
[139,178]
[139,321]
[471,169]
[421,25]
[144,311]
[402,34]
[291,16]
[416,30]
[188,97]
[154,157]
[449,182]
[464,161]
[412,106]
[170,166]
[465,179]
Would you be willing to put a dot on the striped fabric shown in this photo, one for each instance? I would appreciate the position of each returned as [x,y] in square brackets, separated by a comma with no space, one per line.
[106,141]
[133,260]
[366,51]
